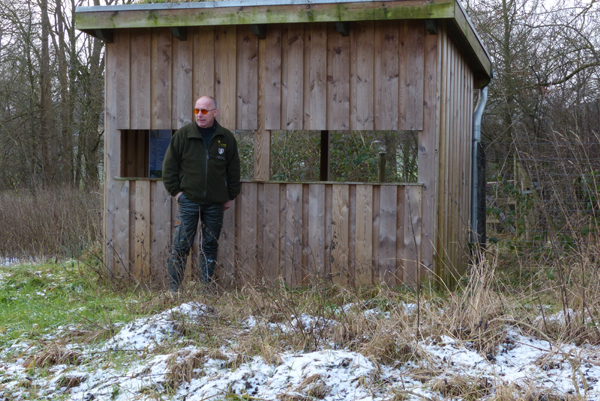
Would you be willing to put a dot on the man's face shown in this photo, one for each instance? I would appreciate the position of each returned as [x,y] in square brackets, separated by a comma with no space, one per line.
[206,121]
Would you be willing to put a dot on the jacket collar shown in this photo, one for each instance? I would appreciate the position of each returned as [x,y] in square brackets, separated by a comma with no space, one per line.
[195,132]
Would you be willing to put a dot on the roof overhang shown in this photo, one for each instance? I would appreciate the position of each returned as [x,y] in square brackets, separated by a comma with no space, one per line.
[99,21]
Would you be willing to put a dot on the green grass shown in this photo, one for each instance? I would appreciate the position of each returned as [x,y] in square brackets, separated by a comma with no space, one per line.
[37,299]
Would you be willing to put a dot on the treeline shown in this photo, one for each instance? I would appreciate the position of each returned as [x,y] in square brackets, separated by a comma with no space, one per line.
[51,96]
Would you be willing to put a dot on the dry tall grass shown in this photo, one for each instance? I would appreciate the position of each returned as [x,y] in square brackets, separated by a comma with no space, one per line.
[60,222]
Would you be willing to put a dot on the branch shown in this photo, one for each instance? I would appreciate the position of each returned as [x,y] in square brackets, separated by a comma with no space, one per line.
[571,75]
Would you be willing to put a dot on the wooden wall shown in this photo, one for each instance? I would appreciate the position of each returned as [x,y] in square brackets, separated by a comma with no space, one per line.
[456,119]
[389,75]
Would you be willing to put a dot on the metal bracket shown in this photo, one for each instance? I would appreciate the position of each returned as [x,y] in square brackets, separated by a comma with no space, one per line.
[179,32]
[431,26]
[106,35]
[259,30]
[343,28]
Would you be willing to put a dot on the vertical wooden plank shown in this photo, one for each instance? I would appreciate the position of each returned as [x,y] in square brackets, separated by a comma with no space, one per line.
[262,136]
[316,231]
[226,274]
[142,230]
[352,236]
[341,229]
[247,78]
[401,209]
[301,275]
[387,234]
[386,75]
[292,76]
[338,80]
[141,78]
[364,235]
[160,229]
[111,155]
[375,238]
[121,230]
[362,42]
[161,79]
[183,102]
[272,82]
[428,156]
[247,235]
[123,83]
[412,235]
[328,232]
[225,74]
[315,83]
[203,70]
[271,229]
[412,56]
[292,240]
[131,230]
[442,245]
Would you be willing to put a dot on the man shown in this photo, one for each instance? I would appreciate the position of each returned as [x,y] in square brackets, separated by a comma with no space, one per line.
[201,170]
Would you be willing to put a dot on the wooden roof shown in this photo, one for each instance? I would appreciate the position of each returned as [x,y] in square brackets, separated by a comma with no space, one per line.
[99,21]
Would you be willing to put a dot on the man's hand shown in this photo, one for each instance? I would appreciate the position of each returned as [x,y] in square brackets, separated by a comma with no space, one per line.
[227,204]
[178,195]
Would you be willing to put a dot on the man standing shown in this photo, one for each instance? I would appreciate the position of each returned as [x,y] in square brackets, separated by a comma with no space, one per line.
[201,170]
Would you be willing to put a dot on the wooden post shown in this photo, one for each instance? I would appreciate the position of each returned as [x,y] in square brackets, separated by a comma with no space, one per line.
[381,168]
[324,174]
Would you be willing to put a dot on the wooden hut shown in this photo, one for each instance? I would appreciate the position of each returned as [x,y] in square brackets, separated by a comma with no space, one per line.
[294,65]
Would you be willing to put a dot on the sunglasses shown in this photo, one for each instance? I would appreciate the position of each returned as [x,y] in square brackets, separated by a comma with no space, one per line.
[203,111]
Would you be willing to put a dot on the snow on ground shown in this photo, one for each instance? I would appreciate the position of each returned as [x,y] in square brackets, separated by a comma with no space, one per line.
[327,374]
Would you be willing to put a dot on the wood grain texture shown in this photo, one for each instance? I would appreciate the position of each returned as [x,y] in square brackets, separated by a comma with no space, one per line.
[292,239]
[412,56]
[338,80]
[272,86]
[386,75]
[141,78]
[412,235]
[226,74]
[142,231]
[362,39]
[316,231]
[160,229]
[262,136]
[364,235]
[387,235]
[227,260]
[271,233]
[161,58]
[340,247]
[292,77]
[203,73]
[121,230]
[123,84]
[183,101]
[111,154]
[428,156]
[247,245]
[247,79]
[315,82]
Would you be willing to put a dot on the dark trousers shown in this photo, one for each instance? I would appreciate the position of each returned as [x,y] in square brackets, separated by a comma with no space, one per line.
[188,215]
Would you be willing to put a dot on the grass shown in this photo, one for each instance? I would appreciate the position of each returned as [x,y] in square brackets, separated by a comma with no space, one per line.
[35,299]
[55,305]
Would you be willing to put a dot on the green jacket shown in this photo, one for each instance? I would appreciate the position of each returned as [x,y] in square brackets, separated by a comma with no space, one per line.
[205,176]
